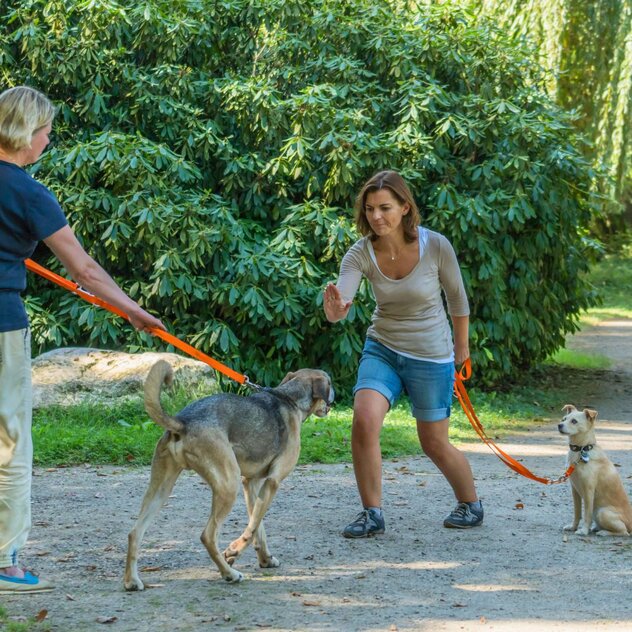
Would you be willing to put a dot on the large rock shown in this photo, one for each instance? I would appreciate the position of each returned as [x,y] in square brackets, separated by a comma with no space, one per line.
[74,375]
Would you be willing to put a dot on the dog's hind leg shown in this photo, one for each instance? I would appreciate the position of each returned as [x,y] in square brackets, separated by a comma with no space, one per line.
[260,543]
[164,473]
[609,523]
[223,477]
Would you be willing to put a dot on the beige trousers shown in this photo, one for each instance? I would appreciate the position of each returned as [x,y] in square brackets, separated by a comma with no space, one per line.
[16,444]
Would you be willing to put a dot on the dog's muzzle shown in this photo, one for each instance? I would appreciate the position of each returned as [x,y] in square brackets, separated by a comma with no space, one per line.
[560,427]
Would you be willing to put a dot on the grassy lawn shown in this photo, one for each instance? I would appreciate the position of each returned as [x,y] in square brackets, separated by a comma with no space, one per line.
[122,434]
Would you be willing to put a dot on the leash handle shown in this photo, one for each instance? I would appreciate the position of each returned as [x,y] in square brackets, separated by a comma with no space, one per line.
[73,287]
[463,374]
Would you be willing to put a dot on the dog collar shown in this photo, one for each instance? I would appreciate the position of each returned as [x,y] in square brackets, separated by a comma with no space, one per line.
[583,451]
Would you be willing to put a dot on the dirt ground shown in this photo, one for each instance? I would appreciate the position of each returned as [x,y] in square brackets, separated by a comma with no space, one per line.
[518,572]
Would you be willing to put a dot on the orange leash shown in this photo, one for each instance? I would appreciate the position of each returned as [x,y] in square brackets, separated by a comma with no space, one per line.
[71,286]
[461,394]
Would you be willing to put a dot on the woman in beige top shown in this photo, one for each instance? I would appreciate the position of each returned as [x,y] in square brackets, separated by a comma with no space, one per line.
[409,343]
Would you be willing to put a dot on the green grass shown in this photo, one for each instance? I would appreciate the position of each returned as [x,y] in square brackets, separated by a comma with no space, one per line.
[122,434]
[10,624]
[577,360]
[612,277]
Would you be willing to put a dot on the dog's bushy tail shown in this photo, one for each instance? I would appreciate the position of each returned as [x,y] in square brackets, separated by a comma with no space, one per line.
[160,373]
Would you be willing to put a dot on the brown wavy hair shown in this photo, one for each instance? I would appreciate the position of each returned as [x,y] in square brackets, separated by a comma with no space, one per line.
[397,186]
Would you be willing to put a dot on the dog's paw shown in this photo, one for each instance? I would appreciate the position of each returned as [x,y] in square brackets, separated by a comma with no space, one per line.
[581,531]
[235,577]
[230,555]
[569,527]
[271,562]
[134,584]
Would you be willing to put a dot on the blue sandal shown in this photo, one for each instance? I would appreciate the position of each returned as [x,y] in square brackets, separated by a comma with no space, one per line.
[29,583]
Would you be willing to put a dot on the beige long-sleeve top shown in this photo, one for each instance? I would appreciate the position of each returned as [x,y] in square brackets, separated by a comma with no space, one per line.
[409,316]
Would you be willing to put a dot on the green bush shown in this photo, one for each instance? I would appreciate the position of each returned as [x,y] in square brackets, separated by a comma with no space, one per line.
[208,155]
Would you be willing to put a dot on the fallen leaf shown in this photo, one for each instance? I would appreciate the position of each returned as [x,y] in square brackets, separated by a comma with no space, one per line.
[519,506]
[295,594]
[106,619]
[459,605]
[150,569]
[42,553]
[70,597]
[154,585]
[41,615]
[66,558]
[311,603]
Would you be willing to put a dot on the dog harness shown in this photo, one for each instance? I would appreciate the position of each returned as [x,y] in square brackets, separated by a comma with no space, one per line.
[583,451]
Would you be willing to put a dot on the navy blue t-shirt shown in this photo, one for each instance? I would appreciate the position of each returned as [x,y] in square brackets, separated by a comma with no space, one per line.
[29,213]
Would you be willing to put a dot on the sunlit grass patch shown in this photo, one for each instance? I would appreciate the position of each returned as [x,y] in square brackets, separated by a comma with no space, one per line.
[578,360]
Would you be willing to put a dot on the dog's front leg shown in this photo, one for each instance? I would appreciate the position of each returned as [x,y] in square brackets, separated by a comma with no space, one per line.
[577,511]
[224,482]
[589,503]
[264,498]
[260,542]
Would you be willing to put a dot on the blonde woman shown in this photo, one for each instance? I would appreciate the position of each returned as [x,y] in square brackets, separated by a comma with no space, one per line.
[29,213]
[409,344]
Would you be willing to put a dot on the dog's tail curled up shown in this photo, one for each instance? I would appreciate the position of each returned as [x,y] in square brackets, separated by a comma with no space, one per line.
[159,374]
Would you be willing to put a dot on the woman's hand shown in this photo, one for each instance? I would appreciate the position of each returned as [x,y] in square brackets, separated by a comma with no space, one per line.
[335,307]
[144,321]
[461,353]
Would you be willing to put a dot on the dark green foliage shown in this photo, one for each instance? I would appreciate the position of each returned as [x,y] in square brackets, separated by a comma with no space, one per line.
[208,155]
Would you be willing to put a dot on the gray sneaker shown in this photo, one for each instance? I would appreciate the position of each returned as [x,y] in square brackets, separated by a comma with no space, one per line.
[464,516]
[366,524]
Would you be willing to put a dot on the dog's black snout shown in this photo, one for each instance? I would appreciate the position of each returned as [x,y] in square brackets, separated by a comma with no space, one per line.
[560,426]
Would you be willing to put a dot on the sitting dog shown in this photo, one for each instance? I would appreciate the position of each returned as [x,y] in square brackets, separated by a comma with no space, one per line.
[594,481]
[223,437]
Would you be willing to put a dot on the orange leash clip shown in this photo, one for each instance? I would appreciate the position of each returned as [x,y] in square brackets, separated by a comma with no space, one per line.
[461,393]
[71,286]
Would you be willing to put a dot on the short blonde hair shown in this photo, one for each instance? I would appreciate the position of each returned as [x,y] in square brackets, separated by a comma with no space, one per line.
[23,111]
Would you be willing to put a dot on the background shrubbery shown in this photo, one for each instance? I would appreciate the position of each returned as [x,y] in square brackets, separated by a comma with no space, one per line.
[208,155]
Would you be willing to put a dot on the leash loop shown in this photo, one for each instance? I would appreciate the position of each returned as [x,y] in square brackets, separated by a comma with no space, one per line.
[463,374]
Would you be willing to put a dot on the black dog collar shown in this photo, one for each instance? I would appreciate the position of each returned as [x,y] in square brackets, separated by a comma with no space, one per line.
[583,451]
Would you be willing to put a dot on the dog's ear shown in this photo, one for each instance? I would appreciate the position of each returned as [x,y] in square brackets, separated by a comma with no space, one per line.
[591,415]
[568,408]
[320,388]
[287,378]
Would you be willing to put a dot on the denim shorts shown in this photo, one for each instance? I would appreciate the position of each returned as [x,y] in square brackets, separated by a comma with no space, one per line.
[429,384]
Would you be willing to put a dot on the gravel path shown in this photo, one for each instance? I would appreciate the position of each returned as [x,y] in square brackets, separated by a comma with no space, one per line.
[518,572]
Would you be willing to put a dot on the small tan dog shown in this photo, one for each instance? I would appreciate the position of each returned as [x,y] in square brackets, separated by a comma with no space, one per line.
[594,481]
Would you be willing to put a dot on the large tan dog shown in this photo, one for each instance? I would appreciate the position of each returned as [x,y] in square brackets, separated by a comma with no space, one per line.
[594,481]
[223,437]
